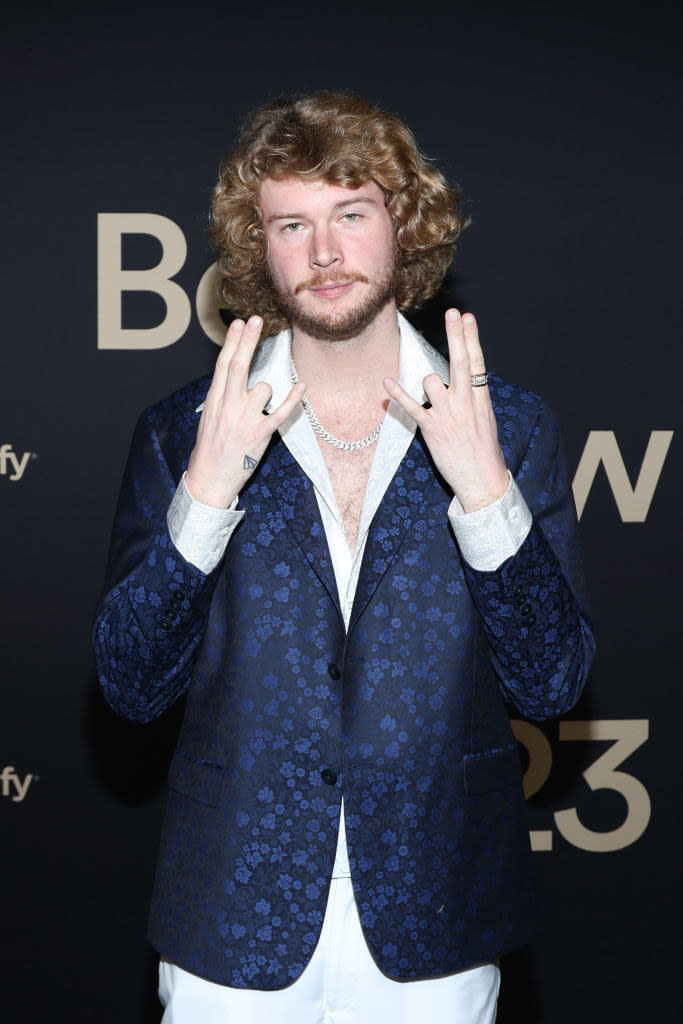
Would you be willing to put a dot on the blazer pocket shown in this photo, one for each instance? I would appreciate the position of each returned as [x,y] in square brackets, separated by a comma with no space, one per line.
[491,769]
[199,780]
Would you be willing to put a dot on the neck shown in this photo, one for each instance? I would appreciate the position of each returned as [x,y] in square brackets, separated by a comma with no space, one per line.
[355,366]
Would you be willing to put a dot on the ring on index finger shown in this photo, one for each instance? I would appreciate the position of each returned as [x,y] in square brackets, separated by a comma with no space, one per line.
[480,380]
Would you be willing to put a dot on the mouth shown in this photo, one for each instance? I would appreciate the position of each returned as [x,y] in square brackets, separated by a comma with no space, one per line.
[331,285]
[331,289]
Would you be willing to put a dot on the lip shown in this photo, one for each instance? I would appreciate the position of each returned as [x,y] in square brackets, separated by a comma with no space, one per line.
[332,290]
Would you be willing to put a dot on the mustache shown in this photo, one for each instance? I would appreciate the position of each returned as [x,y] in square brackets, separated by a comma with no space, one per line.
[335,276]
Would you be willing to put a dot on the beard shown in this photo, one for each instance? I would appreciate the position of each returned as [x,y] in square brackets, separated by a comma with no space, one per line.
[339,325]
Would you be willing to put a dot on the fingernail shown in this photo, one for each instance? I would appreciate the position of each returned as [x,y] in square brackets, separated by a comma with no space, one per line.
[256,321]
[453,315]
[468,319]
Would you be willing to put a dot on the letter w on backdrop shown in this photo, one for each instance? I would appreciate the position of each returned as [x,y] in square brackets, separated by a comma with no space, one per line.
[633,502]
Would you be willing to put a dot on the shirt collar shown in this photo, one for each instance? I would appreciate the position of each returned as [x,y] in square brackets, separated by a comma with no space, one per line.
[417,359]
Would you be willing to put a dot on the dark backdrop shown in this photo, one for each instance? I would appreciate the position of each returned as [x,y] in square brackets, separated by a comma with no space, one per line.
[562,127]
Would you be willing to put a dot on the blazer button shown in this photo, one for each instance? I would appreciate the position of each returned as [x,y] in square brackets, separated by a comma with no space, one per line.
[328,776]
[334,671]
[525,609]
[516,590]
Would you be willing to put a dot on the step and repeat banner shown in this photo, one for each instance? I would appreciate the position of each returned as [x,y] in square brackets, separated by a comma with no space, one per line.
[560,128]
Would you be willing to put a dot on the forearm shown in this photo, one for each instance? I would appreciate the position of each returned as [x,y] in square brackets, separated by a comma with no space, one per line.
[151,624]
[148,630]
[540,640]
[524,571]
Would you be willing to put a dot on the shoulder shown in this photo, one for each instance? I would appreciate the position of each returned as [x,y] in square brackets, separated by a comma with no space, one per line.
[511,398]
[523,417]
[169,426]
[178,411]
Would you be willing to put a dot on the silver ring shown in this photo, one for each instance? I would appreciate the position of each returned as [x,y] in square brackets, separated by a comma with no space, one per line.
[480,380]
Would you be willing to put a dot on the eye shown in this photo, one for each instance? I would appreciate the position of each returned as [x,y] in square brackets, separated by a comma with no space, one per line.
[292,228]
[350,218]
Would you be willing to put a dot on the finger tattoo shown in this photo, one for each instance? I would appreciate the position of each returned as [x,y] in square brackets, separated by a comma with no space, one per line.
[249,462]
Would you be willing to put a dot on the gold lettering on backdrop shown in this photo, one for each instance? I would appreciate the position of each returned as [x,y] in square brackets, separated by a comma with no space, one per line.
[13,464]
[602,774]
[208,305]
[540,755]
[629,735]
[633,502]
[112,281]
[540,764]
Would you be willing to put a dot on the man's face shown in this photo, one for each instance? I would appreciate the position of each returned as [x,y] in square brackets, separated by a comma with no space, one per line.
[331,254]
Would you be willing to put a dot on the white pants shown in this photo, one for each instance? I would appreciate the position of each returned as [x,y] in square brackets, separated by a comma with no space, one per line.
[340,985]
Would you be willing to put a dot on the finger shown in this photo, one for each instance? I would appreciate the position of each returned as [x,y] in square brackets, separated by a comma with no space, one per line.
[434,388]
[480,393]
[285,410]
[471,335]
[238,369]
[215,393]
[232,340]
[261,394]
[403,399]
[461,376]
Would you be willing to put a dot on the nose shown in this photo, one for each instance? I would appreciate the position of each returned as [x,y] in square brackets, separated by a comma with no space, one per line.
[324,248]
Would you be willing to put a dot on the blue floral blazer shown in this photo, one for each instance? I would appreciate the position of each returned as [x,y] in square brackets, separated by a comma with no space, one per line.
[405,714]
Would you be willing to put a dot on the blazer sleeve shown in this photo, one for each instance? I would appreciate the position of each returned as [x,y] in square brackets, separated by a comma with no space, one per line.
[534,606]
[152,616]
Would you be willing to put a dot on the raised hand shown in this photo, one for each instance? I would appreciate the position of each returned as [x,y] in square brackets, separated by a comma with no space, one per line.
[233,432]
[460,428]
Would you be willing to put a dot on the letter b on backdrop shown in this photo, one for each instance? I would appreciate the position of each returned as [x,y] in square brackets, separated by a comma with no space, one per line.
[113,281]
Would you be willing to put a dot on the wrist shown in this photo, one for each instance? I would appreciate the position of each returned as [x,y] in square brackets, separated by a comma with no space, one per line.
[476,499]
[213,496]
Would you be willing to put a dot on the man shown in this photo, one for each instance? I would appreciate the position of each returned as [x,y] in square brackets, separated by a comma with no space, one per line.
[347,589]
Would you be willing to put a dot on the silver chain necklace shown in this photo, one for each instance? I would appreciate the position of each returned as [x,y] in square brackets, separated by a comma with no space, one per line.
[343,446]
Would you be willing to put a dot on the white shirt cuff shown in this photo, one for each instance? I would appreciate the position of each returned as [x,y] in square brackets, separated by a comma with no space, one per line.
[491,535]
[200,532]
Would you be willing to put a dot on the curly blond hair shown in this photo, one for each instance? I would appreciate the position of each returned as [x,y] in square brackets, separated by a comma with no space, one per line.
[345,140]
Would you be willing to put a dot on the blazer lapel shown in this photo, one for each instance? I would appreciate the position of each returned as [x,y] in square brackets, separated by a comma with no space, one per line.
[415,483]
[294,494]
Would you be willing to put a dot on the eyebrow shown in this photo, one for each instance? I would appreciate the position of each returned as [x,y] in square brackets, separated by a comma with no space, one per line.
[337,206]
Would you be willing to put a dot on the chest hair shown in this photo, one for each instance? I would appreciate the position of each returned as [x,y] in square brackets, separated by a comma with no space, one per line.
[349,472]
